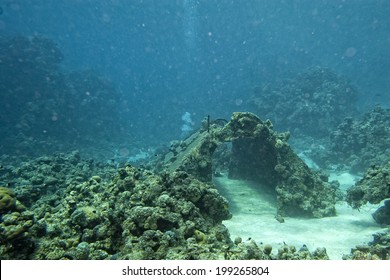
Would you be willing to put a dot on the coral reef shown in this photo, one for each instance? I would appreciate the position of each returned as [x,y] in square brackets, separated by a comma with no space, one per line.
[361,143]
[313,103]
[250,250]
[44,108]
[135,215]
[130,214]
[378,249]
[15,222]
[261,154]
[7,199]
[49,175]
[192,155]
[373,188]
[290,253]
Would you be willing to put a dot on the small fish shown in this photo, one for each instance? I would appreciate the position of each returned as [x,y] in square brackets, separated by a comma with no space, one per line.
[1,10]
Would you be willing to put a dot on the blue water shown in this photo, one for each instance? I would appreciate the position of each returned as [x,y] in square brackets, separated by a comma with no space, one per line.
[164,58]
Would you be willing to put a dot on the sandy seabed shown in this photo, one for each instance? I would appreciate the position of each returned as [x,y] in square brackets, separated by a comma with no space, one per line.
[254,209]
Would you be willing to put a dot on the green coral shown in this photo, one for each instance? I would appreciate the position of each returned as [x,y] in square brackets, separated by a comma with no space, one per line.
[7,200]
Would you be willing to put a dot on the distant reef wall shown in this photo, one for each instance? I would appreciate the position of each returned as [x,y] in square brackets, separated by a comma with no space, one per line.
[313,103]
[43,106]
[357,142]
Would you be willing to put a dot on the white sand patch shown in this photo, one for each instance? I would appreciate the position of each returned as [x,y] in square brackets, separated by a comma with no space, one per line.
[345,179]
[254,210]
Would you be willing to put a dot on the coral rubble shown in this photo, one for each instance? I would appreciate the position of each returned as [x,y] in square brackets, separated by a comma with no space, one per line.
[130,213]
[377,249]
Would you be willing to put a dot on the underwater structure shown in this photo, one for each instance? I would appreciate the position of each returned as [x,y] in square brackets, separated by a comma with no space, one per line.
[261,154]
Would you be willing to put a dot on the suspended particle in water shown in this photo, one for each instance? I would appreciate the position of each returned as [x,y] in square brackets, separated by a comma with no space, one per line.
[350,52]
[124,152]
